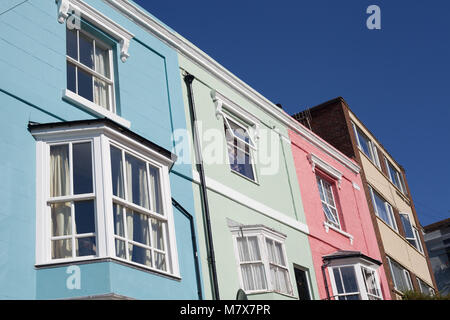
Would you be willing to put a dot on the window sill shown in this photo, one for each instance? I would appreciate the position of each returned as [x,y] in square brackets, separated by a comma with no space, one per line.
[93,108]
[84,260]
[246,178]
[345,234]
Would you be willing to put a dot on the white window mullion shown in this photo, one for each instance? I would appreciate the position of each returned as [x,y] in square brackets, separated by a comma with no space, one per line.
[361,282]
[103,191]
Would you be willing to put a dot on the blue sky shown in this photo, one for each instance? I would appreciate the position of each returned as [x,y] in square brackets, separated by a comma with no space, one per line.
[302,53]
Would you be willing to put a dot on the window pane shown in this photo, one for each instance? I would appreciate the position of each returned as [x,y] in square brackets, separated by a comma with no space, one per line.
[101,93]
[155,186]
[364,143]
[118,220]
[102,61]
[86,51]
[160,261]
[338,280]
[71,78]
[321,192]
[120,249]
[240,162]
[407,226]
[138,228]
[71,43]
[61,219]
[59,170]
[157,234]
[244,254]
[61,249]
[84,217]
[85,85]
[370,282]
[82,168]
[117,172]
[140,255]
[137,181]
[349,279]
[279,254]
[253,277]
[86,247]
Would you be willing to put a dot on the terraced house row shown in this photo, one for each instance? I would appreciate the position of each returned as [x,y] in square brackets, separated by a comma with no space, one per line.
[137,167]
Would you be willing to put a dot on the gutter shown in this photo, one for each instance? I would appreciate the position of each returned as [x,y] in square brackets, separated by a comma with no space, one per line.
[188,79]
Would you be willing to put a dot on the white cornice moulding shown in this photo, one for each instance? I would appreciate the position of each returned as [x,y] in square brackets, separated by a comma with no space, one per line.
[317,162]
[98,19]
[200,58]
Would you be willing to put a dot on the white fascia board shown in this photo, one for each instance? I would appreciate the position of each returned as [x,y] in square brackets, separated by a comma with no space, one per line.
[79,131]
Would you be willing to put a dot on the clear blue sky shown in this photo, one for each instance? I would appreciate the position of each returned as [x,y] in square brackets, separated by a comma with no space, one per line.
[301,53]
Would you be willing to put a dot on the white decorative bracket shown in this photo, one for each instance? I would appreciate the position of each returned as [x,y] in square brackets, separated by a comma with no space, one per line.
[95,17]
[316,161]
[221,102]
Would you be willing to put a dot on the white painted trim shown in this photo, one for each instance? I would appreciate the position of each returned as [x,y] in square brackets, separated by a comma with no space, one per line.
[99,20]
[100,138]
[262,233]
[329,226]
[356,186]
[94,108]
[322,164]
[200,58]
[251,203]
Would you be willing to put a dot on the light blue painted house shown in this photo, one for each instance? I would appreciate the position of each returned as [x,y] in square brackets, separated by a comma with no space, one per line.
[94,202]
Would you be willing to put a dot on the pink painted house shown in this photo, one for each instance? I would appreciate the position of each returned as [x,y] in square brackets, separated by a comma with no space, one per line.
[346,256]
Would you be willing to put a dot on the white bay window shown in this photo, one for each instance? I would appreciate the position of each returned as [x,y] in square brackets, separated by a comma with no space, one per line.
[261,259]
[103,193]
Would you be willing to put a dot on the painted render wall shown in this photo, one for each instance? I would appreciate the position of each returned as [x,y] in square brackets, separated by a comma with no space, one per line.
[353,211]
[32,78]
[394,244]
[277,191]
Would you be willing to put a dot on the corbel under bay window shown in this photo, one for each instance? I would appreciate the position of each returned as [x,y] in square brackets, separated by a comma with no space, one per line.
[103,192]
[241,133]
[261,259]
[91,39]
[353,276]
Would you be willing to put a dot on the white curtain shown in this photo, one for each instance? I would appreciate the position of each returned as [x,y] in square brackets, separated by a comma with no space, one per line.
[137,224]
[101,88]
[155,190]
[253,274]
[61,212]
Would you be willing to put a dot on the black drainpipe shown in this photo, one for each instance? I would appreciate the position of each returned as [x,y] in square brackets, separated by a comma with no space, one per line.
[325,264]
[194,245]
[188,78]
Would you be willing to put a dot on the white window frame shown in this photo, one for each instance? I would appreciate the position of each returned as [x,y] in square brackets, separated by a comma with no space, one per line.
[336,224]
[358,265]
[399,176]
[95,75]
[405,272]
[425,288]
[262,233]
[414,231]
[372,148]
[251,145]
[392,223]
[102,137]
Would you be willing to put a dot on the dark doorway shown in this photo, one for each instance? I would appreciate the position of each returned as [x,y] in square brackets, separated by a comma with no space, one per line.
[302,284]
